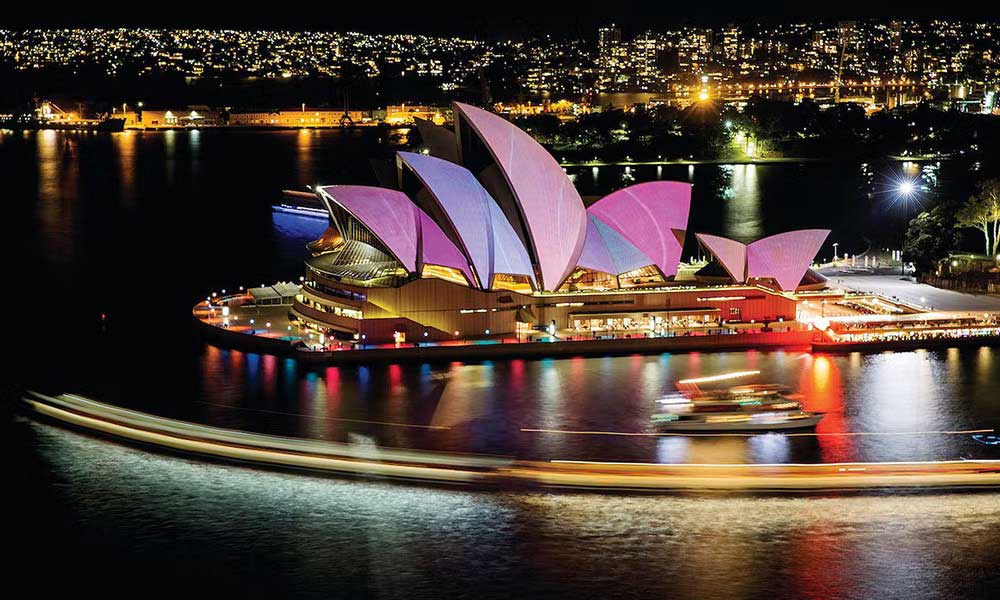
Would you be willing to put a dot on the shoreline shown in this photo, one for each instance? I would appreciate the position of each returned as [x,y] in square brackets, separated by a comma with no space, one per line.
[748,161]
[486,350]
[479,350]
[565,164]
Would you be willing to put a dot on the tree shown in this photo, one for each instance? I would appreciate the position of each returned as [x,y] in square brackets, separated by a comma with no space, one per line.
[982,211]
[929,238]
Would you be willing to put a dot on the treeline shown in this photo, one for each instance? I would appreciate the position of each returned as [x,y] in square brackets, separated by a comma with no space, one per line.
[764,128]
[934,234]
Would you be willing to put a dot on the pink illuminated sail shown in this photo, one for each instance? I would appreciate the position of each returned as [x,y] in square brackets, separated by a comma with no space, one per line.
[485,235]
[547,201]
[785,256]
[437,249]
[412,237]
[607,251]
[732,255]
[388,214]
[652,216]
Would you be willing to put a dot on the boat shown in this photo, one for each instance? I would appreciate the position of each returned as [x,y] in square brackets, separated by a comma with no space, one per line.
[302,211]
[303,204]
[755,407]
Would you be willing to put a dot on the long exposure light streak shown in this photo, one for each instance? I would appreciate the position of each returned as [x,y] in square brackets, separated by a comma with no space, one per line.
[495,471]
[738,434]
[325,418]
[720,377]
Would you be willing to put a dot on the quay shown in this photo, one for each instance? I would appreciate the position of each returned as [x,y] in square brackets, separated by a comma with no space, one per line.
[267,329]
[273,335]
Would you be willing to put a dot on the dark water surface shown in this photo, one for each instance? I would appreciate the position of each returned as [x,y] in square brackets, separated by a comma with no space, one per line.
[139,226]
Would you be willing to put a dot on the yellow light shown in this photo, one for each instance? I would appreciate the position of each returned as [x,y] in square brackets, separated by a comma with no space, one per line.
[721,377]
[703,95]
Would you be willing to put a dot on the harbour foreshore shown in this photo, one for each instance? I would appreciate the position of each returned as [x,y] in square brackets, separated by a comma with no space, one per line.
[269,342]
[487,349]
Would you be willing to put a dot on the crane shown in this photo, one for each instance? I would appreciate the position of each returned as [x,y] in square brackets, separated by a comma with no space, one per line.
[840,64]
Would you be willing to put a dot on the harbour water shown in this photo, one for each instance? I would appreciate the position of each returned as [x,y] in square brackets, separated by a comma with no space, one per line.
[114,236]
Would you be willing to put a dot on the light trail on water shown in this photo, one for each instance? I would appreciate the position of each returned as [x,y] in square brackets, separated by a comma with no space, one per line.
[799,434]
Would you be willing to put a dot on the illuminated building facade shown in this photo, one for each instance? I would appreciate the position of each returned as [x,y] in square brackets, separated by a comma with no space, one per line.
[407,114]
[489,237]
[192,117]
[299,118]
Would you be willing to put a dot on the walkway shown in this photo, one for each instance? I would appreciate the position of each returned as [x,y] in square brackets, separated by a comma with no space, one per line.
[919,294]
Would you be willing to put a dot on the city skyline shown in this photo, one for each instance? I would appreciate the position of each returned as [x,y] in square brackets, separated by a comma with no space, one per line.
[690,59]
[350,301]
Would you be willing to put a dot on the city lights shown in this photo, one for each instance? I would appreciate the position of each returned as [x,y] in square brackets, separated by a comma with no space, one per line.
[632,232]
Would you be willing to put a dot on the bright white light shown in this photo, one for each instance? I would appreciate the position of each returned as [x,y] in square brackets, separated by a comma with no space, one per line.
[906,188]
[721,377]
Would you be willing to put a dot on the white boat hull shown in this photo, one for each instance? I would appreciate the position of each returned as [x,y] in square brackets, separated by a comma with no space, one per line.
[802,423]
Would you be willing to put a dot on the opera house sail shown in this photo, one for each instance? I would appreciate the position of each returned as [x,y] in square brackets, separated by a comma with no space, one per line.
[485,235]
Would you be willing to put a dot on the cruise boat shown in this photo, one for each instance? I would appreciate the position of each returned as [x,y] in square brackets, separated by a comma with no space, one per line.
[755,407]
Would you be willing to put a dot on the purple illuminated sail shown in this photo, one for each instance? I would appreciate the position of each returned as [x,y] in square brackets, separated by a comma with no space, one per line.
[550,206]
[652,216]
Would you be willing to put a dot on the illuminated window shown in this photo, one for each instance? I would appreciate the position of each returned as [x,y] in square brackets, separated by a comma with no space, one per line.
[586,279]
[447,273]
[514,283]
[642,276]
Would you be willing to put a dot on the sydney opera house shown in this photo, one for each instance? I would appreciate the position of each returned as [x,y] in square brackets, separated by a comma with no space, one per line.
[486,236]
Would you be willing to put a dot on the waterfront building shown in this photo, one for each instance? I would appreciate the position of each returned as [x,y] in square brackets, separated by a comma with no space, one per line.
[406,114]
[299,118]
[192,117]
[489,237]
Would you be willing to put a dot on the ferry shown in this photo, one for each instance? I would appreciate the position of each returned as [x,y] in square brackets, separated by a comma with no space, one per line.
[303,204]
[755,407]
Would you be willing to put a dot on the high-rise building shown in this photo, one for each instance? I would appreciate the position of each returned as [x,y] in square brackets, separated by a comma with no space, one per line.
[730,43]
[608,55]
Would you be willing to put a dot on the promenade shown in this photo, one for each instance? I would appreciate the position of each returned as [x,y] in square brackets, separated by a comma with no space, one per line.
[916,294]
[272,332]
[270,329]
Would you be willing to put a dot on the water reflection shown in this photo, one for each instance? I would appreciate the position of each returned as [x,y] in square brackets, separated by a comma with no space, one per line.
[820,383]
[896,406]
[125,152]
[742,217]
[58,194]
[418,542]
[169,155]
[769,448]
[304,156]
[194,158]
